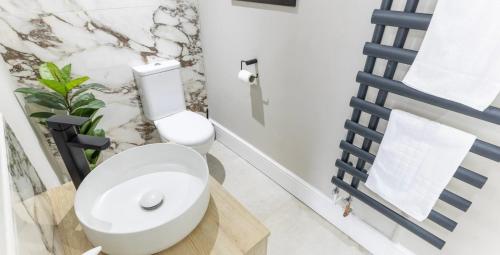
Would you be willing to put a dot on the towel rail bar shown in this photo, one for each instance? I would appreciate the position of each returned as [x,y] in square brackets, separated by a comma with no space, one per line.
[446,196]
[463,174]
[358,152]
[470,177]
[442,220]
[486,150]
[418,21]
[492,114]
[389,213]
[364,131]
[455,200]
[479,147]
[400,55]
[378,34]
[362,175]
[390,71]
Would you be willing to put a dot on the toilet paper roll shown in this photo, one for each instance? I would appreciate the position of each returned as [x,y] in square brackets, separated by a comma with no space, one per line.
[247,77]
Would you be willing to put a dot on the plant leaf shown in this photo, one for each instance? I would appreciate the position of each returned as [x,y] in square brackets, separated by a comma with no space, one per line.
[94,104]
[46,99]
[82,99]
[34,91]
[84,129]
[76,82]
[66,72]
[85,87]
[54,85]
[92,129]
[45,72]
[50,96]
[84,109]
[99,132]
[55,72]
[89,154]
[84,112]
[42,115]
[29,91]
[93,157]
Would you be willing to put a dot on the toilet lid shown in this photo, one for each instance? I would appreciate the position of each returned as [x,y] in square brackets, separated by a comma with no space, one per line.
[186,128]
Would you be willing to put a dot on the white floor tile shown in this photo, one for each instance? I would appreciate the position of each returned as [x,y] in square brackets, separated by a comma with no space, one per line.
[295,228]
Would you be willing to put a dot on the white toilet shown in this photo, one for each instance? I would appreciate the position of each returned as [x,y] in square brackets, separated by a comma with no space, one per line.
[162,97]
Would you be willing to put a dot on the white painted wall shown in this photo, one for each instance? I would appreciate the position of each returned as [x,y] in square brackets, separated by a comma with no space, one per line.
[308,58]
[14,115]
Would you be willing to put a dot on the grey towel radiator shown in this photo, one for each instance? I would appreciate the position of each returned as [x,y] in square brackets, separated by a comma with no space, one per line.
[386,84]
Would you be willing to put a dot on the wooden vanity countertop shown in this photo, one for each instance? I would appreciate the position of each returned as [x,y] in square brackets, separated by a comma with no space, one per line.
[226,229]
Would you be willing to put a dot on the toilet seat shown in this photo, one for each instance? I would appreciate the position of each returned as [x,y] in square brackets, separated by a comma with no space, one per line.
[186,128]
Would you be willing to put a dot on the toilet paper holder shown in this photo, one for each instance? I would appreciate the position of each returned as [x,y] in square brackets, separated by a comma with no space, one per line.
[248,63]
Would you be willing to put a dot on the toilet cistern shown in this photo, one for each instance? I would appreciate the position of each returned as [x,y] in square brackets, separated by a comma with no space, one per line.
[151,200]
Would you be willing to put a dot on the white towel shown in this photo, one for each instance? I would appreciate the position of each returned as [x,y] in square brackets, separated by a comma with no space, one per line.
[415,161]
[459,59]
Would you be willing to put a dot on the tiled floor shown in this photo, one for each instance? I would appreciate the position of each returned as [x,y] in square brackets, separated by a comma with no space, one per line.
[294,227]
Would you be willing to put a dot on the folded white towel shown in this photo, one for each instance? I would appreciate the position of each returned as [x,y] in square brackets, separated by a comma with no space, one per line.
[459,59]
[415,161]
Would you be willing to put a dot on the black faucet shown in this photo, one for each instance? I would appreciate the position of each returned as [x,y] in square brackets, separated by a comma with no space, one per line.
[71,144]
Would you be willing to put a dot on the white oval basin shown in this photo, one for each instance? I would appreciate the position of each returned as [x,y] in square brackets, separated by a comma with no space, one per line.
[143,200]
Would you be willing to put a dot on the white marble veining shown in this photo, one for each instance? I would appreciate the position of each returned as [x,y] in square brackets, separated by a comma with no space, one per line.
[32,211]
[102,39]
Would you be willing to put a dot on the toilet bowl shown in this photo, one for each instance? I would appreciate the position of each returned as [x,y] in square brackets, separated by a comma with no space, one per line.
[187,128]
[162,95]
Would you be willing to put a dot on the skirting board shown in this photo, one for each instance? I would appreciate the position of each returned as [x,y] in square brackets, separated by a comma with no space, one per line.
[368,237]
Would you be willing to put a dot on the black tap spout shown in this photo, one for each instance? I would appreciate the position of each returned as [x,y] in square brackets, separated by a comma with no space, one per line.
[71,144]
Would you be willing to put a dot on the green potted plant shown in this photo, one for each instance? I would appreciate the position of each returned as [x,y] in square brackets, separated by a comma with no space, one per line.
[69,95]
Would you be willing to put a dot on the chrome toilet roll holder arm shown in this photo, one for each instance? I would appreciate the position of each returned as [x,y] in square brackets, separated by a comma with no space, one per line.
[248,63]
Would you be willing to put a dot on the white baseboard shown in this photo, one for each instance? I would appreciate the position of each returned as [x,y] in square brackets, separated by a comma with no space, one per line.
[355,228]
